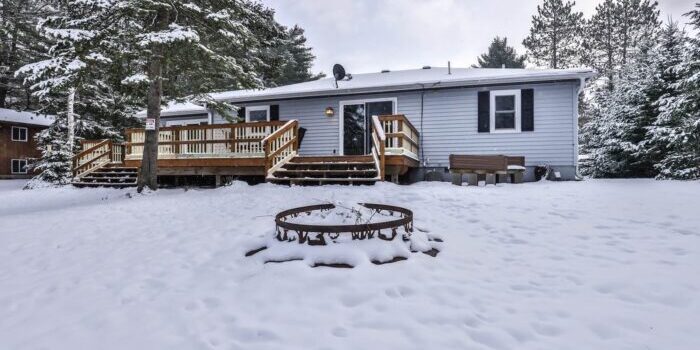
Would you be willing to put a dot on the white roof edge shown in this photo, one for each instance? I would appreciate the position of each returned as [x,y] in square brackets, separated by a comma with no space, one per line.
[368,83]
[25,117]
[585,74]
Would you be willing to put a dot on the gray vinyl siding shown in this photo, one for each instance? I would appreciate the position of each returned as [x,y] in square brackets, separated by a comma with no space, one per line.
[450,124]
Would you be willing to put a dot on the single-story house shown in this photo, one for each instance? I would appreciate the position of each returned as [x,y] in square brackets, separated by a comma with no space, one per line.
[515,112]
[18,147]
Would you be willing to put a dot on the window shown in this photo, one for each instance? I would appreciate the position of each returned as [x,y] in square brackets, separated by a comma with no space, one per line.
[19,166]
[19,134]
[257,114]
[505,111]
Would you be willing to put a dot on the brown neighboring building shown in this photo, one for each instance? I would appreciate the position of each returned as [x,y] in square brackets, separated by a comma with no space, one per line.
[18,147]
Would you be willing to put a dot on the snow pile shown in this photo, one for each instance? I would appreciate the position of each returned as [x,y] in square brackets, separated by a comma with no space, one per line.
[609,264]
[342,249]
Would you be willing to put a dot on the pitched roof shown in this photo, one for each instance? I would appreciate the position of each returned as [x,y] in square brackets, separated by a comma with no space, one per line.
[413,79]
[25,117]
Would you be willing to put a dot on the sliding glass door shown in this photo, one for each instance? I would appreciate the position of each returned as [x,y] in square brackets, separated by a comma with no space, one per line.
[356,116]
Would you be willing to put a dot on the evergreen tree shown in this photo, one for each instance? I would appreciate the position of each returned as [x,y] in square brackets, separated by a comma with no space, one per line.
[620,136]
[200,46]
[668,54]
[615,31]
[69,82]
[555,36]
[298,68]
[612,137]
[500,55]
[678,124]
[20,43]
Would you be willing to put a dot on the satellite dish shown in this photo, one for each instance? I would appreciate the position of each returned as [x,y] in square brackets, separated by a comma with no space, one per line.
[338,72]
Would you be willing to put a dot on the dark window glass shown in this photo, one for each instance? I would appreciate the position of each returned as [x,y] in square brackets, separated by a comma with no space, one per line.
[354,129]
[19,134]
[505,120]
[257,116]
[19,166]
[505,103]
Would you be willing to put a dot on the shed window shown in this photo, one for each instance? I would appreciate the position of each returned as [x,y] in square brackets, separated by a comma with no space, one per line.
[257,114]
[19,166]
[19,134]
[505,111]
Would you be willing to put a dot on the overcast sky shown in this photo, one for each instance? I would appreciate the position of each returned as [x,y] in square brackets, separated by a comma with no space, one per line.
[371,35]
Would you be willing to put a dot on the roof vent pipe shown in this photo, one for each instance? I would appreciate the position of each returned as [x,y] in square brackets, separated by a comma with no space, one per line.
[426,67]
[503,66]
[449,68]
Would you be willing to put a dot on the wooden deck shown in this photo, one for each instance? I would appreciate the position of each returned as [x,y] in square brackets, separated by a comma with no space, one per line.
[257,149]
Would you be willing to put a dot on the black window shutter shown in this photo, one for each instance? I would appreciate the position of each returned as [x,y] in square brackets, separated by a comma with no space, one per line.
[274,112]
[241,113]
[484,113]
[527,110]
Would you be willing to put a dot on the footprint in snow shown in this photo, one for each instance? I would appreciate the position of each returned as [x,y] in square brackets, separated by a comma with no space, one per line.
[340,332]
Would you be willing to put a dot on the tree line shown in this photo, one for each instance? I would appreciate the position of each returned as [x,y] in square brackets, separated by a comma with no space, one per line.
[95,63]
[641,116]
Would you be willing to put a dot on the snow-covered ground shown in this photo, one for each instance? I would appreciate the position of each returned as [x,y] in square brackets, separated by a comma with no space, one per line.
[579,265]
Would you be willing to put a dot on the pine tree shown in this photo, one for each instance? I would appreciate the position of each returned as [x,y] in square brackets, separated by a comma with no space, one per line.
[56,162]
[615,30]
[500,55]
[612,137]
[667,55]
[624,136]
[20,43]
[298,68]
[200,46]
[678,123]
[555,36]
[71,82]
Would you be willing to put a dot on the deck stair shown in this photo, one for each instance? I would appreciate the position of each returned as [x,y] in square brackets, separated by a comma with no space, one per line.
[110,176]
[305,170]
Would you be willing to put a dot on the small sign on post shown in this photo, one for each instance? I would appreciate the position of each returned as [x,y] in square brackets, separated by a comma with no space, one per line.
[150,123]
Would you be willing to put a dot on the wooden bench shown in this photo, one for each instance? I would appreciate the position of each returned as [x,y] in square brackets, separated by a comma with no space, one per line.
[515,169]
[491,167]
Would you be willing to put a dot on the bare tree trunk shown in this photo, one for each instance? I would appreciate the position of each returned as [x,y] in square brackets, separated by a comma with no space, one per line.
[149,163]
[70,116]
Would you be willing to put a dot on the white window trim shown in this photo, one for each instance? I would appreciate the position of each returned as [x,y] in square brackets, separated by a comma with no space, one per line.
[248,109]
[492,111]
[26,164]
[341,129]
[26,134]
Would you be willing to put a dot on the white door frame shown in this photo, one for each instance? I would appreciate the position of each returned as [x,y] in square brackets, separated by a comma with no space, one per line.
[341,116]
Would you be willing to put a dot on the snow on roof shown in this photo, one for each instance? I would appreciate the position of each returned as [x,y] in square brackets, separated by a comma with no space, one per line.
[25,117]
[406,80]
[434,77]
[174,108]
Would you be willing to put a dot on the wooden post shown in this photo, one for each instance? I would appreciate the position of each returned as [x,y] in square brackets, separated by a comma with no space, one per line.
[176,139]
[233,139]
[295,134]
[266,147]
[382,161]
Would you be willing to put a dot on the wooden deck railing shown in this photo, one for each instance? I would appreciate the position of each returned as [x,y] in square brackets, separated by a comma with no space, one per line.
[96,154]
[205,141]
[378,146]
[281,146]
[402,138]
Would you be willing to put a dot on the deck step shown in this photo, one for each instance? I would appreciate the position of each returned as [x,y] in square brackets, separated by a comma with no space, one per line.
[324,179]
[102,184]
[311,170]
[110,176]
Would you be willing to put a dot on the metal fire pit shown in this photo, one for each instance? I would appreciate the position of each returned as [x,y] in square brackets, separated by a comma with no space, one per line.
[324,234]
